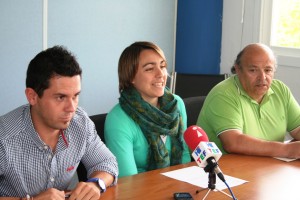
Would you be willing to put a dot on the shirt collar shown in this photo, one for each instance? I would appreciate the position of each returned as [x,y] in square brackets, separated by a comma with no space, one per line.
[30,130]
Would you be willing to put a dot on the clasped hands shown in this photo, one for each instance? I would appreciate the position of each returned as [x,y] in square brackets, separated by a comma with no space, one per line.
[83,191]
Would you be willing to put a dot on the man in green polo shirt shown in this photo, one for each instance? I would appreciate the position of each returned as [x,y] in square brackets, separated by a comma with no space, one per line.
[250,113]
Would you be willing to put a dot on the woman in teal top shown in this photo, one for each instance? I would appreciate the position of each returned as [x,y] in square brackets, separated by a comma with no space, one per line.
[145,129]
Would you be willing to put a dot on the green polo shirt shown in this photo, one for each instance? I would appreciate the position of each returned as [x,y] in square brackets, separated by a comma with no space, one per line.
[228,106]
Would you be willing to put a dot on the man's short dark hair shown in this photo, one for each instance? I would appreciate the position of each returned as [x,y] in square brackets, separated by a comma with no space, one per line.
[55,61]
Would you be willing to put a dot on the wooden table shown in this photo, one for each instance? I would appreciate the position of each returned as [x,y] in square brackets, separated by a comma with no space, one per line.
[269,179]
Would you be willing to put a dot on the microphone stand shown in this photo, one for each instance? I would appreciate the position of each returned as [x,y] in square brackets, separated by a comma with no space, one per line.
[210,168]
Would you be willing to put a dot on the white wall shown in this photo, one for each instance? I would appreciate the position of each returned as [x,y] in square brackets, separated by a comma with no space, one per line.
[95,31]
[241,26]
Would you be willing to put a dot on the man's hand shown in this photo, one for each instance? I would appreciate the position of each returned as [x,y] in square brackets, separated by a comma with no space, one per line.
[292,149]
[85,191]
[51,194]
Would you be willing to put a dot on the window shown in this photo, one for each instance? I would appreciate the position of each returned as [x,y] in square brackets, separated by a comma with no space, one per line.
[281,30]
[285,25]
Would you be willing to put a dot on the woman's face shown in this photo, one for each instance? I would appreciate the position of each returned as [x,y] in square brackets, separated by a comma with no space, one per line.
[150,79]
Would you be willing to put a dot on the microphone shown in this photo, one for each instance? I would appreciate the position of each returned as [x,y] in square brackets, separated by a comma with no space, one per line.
[205,153]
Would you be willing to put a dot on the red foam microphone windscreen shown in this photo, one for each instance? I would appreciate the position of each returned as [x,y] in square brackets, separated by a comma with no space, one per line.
[194,135]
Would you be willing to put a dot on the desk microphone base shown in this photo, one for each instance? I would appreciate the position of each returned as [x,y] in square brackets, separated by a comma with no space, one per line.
[209,192]
[212,185]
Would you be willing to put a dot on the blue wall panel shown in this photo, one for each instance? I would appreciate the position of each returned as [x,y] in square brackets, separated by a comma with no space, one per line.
[20,39]
[198,36]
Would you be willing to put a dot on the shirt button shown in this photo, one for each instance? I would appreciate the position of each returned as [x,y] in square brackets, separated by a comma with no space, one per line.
[45,147]
[49,157]
[51,179]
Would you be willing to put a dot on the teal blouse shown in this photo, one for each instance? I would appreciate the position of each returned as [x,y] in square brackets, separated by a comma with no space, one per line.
[125,139]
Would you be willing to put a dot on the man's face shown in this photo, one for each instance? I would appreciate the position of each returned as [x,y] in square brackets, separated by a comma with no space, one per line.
[256,72]
[55,109]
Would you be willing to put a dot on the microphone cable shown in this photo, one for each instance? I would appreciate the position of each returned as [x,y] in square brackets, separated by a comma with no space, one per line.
[233,197]
[222,178]
[212,163]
